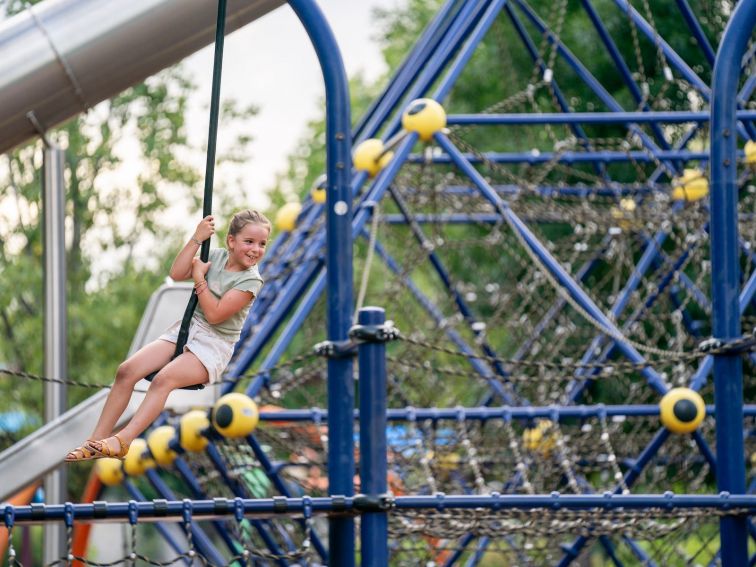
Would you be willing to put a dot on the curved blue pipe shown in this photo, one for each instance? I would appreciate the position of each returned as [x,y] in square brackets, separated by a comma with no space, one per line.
[725,258]
[341,466]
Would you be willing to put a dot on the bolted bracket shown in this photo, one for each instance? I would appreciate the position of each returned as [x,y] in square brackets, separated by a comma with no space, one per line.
[374,333]
[357,334]
[740,345]
[373,503]
[336,349]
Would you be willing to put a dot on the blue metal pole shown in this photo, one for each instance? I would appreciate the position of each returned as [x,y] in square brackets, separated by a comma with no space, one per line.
[606,156]
[464,55]
[339,262]
[397,88]
[621,65]
[373,445]
[670,54]
[524,119]
[464,20]
[725,258]
[697,30]
[488,413]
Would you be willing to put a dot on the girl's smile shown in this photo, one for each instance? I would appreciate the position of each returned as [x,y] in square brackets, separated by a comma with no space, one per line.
[247,247]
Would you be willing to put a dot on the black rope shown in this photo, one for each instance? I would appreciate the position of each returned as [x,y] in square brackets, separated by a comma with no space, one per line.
[207,205]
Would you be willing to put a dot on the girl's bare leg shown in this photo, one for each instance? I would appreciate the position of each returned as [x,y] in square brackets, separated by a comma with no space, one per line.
[146,360]
[185,370]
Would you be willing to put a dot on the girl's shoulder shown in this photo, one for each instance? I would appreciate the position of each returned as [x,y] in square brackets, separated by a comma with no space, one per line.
[218,257]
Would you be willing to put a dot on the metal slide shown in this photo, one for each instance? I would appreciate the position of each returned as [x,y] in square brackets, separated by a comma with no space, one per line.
[62,57]
[43,451]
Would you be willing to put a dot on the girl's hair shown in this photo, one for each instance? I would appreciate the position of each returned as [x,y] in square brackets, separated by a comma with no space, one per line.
[243,218]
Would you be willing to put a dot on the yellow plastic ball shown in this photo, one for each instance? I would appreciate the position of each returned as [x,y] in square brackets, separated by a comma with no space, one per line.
[192,425]
[750,152]
[235,415]
[158,441]
[136,463]
[449,462]
[541,438]
[424,116]
[109,471]
[369,156]
[682,410]
[286,218]
[318,192]
[624,215]
[692,186]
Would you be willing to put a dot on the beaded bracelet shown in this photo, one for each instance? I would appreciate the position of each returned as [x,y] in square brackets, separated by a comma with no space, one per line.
[200,287]
[197,242]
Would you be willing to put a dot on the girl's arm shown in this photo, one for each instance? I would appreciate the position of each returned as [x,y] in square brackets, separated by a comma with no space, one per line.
[217,310]
[181,269]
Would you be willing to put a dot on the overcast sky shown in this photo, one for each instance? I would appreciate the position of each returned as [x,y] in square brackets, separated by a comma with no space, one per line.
[271,63]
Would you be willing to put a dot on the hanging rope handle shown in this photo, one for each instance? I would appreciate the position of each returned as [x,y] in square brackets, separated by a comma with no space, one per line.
[207,205]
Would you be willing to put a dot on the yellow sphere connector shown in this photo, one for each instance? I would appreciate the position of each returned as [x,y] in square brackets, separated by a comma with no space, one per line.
[109,471]
[286,217]
[158,441]
[424,116]
[692,186]
[192,426]
[541,438]
[750,152]
[624,215]
[136,463]
[318,192]
[370,156]
[235,415]
[682,410]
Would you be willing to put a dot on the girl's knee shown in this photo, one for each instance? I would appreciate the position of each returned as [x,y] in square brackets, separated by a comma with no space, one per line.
[126,374]
[163,381]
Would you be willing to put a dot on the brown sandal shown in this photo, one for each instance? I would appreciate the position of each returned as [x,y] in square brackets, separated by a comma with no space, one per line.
[83,453]
[102,449]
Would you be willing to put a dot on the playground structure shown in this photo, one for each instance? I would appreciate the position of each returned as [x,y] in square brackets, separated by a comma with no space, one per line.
[549,385]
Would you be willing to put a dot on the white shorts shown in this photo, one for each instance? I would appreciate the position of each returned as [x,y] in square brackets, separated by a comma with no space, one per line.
[213,349]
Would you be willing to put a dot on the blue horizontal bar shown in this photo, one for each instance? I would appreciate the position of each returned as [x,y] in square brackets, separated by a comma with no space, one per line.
[587,118]
[570,157]
[555,413]
[175,510]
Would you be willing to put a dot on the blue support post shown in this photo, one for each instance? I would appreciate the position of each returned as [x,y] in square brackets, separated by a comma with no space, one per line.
[373,445]
[725,257]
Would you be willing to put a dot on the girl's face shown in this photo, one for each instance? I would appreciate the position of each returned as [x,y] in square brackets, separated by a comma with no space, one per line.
[247,247]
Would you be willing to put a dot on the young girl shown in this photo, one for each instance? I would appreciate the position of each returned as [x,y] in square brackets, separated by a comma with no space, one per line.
[225,286]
